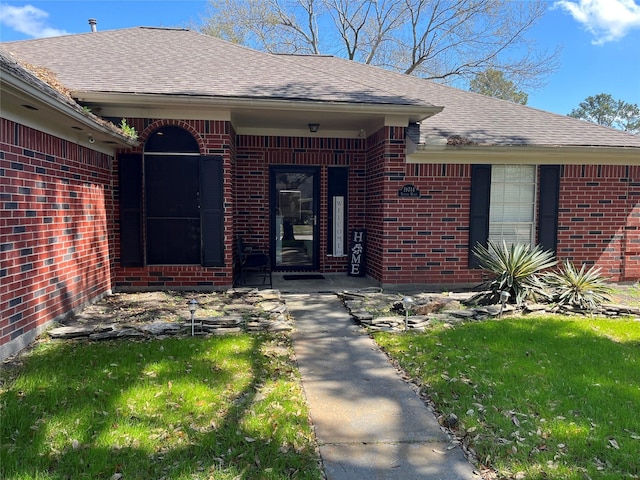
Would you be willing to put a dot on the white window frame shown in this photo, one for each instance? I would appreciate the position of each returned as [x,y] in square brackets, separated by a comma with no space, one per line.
[513,194]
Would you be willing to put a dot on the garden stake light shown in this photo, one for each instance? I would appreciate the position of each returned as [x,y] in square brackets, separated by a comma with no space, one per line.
[406,303]
[504,297]
[193,304]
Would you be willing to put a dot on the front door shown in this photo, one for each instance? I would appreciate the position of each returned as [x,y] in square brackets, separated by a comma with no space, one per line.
[294,217]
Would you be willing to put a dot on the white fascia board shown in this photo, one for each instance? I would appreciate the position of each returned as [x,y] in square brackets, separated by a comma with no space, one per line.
[540,155]
[151,102]
[164,112]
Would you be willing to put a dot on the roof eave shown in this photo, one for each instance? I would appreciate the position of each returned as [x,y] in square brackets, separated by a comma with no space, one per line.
[534,154]
[415,112]
[40,95]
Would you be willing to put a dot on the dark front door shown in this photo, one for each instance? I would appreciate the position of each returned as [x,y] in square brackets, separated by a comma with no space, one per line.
[294,217]
[173,210]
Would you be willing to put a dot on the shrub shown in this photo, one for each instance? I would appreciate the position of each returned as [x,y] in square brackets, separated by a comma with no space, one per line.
[584,289]
[514,269]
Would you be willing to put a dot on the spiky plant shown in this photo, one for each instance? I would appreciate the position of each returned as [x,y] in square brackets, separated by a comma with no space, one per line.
[586,289]
[514,269]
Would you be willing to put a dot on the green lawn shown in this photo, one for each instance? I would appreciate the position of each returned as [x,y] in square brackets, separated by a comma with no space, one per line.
[181,408]
[536,398]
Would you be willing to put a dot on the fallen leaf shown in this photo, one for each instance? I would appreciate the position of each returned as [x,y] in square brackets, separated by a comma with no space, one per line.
[614,444]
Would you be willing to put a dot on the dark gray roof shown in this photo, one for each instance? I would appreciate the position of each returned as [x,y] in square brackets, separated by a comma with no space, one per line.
[183,62]
[479,118]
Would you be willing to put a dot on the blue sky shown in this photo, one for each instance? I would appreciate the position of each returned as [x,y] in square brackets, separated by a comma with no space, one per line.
[600,39]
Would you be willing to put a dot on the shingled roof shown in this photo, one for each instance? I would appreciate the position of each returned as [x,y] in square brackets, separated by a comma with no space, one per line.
[481,119]
[183,62]
[178,62]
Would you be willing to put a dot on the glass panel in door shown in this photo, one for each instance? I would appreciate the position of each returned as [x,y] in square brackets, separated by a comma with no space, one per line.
[294,217]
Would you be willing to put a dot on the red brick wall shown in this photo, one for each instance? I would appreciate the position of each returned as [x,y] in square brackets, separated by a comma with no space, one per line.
[375,204]
[254,156]
[214,138]
[429,235]
[54,237]
[425,239]
[599,219]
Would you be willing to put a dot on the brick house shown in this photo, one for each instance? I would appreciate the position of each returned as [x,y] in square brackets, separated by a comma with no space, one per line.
[290,153]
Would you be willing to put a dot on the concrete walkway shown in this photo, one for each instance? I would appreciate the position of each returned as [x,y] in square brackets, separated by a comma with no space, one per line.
[369,423]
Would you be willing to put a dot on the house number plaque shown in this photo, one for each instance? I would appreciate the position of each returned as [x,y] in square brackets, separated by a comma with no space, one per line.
[409,190]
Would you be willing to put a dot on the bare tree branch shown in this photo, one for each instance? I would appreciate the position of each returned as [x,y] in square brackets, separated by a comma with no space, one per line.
[444,40]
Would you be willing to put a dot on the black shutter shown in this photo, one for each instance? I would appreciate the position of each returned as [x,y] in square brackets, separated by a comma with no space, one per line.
[479,209]
[337,186]
[212,211]
[130,166]
[548,206]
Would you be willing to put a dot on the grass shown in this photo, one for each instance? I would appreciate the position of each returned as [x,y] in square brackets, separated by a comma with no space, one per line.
[181,408]
[536,398]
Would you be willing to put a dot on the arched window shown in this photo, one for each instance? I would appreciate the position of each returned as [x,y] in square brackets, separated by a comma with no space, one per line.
[171,203]
[170,139]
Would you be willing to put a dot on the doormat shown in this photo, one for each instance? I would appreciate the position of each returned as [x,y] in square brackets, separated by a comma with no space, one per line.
[304,277]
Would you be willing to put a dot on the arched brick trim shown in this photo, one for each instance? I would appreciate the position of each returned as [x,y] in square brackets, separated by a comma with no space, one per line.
[175,123]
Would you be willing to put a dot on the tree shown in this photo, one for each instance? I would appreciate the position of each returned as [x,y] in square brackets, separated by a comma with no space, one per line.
[446,40]
[604,110]
[492,83]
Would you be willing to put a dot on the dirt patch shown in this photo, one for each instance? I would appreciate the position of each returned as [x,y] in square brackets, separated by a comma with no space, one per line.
[626,294]
[133,309]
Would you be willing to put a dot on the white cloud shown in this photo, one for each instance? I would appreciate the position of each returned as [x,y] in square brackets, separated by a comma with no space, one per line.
[607,20]
[28,20]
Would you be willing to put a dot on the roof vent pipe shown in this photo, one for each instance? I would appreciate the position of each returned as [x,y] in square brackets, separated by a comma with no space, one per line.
[93,22]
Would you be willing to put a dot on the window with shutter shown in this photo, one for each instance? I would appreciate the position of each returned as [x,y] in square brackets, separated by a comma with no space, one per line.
[503,201]
[182,212]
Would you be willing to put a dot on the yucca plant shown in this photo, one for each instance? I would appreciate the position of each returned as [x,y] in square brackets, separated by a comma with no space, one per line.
[586,289]
[514,269]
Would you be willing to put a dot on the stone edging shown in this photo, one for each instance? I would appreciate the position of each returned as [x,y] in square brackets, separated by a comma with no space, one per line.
[268,314]
[447,308]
